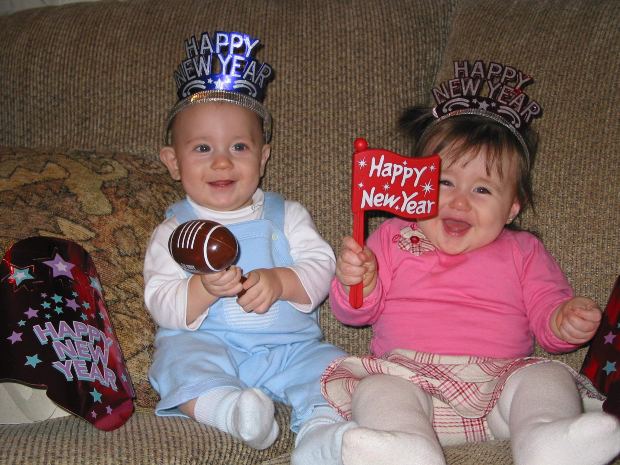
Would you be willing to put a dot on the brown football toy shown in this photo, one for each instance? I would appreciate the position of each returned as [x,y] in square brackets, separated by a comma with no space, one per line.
[202,246]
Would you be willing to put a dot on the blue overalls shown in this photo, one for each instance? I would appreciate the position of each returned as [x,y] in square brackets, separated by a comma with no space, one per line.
[279,351]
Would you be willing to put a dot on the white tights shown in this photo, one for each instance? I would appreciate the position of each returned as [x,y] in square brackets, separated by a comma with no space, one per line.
[539,410]
[395,425]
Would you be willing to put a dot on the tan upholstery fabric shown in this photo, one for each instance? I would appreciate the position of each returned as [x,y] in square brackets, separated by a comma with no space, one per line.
[571,49]
[84,90]
[108,78]
[105,69]
[577,168]
[144,440]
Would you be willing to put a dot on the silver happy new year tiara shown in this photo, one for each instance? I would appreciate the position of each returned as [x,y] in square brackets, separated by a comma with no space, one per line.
[222,68]
[493,91]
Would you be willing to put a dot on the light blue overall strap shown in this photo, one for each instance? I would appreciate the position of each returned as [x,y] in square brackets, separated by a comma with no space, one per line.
[273,209]
[182,210]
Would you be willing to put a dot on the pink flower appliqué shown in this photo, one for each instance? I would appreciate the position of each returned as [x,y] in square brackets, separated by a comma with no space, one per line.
[411,239]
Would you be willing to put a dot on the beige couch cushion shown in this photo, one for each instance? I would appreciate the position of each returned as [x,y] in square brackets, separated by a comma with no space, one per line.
[144,440]
[99,75]
[571,49]
[102,86]
[105,84]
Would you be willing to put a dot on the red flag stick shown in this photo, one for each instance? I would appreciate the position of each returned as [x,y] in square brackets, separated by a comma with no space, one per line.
[356,292]
[384,180]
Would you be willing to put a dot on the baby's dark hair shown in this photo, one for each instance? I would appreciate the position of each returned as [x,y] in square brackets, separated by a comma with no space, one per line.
[469,134]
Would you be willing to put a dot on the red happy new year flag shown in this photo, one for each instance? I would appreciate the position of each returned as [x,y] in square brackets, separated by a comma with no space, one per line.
[387,181]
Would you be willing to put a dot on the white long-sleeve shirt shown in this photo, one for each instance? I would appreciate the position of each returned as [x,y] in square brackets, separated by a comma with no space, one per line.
[166,283]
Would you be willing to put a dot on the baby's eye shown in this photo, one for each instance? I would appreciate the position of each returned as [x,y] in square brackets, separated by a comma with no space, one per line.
[239,147]
[482,190]
[445,182]
[202,148]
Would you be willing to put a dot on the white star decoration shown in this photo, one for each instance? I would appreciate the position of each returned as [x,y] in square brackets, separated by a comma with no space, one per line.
[427,187]
[361,163]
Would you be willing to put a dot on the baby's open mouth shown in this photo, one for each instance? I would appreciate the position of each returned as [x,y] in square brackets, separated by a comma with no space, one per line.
[221,183]
[455,227]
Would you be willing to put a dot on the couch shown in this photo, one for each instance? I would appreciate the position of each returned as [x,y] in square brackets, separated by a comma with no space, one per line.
[84,91]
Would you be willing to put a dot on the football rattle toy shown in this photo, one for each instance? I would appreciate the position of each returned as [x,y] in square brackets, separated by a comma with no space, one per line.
[202,246]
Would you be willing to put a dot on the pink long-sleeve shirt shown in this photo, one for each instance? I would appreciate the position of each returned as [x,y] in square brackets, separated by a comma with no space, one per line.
[490,302]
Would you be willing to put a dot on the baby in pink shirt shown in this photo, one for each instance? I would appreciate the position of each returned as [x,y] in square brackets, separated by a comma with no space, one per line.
[489,302]
[455,302]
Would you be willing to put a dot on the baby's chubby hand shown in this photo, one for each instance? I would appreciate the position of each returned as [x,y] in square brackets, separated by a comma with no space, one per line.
[225,283]
[263,287]
[356,264]
[576,320]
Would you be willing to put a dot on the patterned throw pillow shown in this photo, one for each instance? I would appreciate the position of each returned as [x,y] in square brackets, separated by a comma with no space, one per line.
[109,204]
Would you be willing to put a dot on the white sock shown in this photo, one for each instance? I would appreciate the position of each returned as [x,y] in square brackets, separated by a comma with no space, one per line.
[588,439]
[246,414]
[542,410]
[362,446]
[319,440]
[395,418]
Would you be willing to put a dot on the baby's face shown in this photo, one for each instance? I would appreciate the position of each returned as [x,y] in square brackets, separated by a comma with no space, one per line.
[218,153]
[474,204]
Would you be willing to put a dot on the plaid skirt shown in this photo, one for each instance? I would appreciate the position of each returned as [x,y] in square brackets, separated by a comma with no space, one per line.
[464,389]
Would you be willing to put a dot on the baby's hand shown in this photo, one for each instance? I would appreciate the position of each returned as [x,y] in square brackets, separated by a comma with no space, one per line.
[356,264]
[262,288]
[576,320]
[226,283]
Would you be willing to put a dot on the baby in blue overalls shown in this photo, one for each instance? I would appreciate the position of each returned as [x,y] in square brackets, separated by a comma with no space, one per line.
[223,359]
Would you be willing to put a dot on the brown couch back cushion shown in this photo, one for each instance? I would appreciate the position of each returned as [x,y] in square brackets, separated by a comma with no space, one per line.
[89,86]
[572,50]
